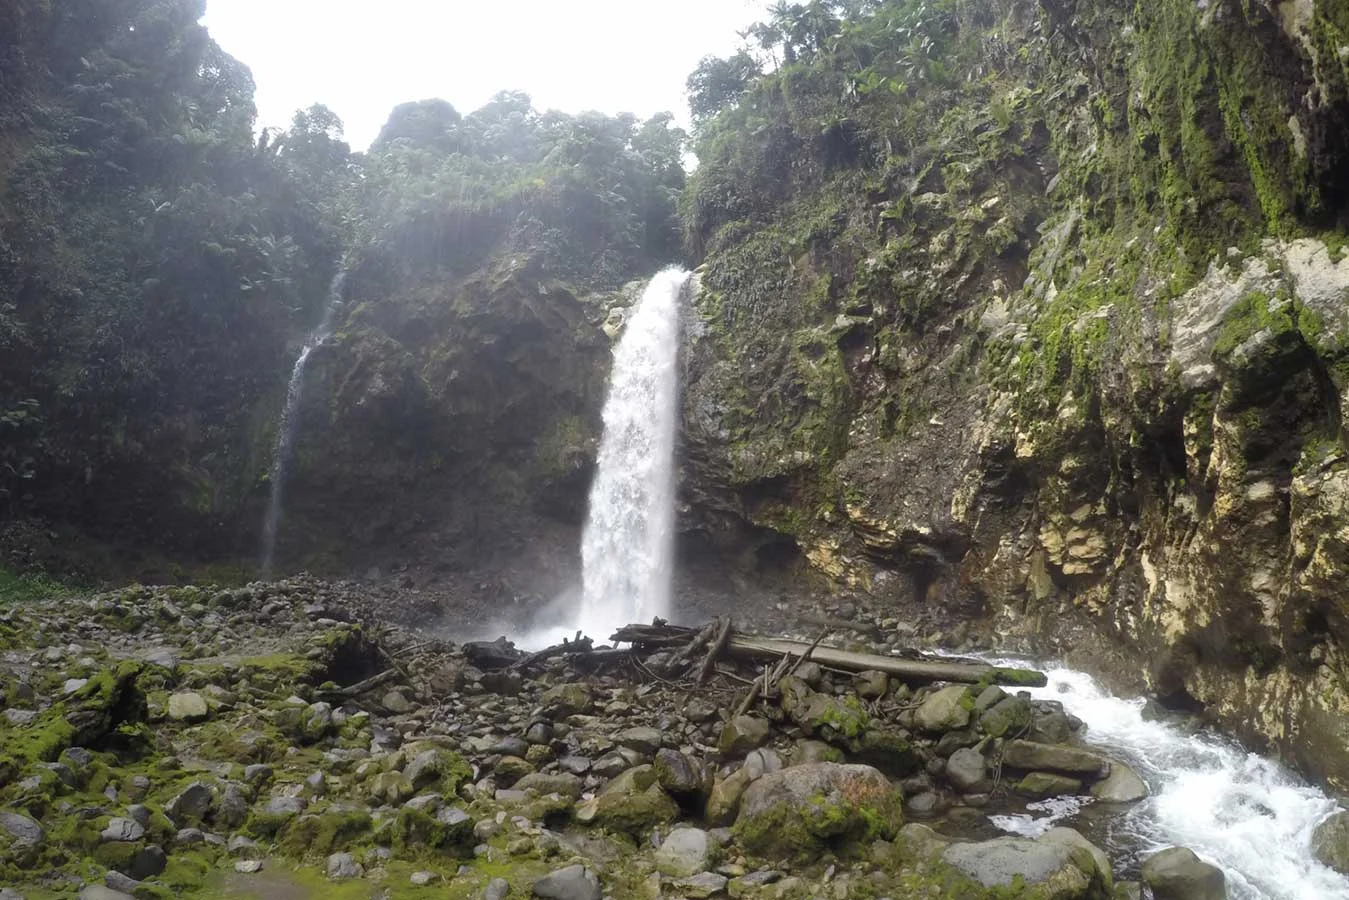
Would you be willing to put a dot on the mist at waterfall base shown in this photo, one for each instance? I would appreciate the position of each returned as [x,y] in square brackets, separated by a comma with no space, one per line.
[285,431]
[627,548]
[1242,812]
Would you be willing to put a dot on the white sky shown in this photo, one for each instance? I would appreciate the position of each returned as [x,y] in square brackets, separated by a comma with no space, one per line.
[362,58]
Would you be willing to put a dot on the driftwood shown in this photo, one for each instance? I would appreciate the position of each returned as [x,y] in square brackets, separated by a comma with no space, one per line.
[718,648]
[646,638]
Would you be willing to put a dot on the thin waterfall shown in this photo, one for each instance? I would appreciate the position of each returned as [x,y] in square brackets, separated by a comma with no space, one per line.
[285,434]
[628,546]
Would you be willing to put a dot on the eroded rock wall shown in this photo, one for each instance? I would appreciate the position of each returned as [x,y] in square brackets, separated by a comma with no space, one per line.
[1055,338]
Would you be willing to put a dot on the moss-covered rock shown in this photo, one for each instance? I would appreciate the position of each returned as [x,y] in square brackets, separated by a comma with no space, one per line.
[802,812]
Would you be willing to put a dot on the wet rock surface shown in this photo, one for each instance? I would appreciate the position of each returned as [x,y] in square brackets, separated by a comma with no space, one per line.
[361,751]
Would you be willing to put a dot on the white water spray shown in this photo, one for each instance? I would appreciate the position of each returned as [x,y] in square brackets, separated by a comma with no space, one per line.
[1244,813]
[285,434]
[628,546]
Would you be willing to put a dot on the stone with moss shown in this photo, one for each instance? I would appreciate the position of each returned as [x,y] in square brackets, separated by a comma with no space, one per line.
[438,768]
[741,735]
[801,812]
[946,709]
[631,803]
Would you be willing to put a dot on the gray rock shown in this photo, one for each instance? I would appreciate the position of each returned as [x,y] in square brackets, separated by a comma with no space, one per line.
[685,852]
[1177,874]
[139,813]
[423,878]
[497,889]
[743,734]
[565,700]
[642,738]
[562,783]
[243,847]
[679,774]
[188,706]
[191,805]
[571,883]
[797,811]
[871,685]
[761,762]
[1330,842]
[103,892]
[232,810]
[10,894]
[1048,784]
[20,717]
[943,710]
[706,884]
[999,862]
[344,865]
[285,807]
[120,829]
[248,866]
[1122,785]
[539,733]
[189,837]
[22,829]
[397,703]
[968,771]
[257,773]
[119,882]
[575,765]
[1030,756]
[1010,715]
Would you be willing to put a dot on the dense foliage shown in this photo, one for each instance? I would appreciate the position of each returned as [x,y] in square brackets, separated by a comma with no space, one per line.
[157,259]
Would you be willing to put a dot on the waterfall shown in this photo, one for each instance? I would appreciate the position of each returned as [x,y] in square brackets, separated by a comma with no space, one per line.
[285,432]
[628,545]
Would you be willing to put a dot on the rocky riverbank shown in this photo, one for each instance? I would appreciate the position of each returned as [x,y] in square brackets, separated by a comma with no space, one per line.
[270,741]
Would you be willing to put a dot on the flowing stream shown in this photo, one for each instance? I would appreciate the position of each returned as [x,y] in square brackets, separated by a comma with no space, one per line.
[285,432]
[628,545]
[1240,811]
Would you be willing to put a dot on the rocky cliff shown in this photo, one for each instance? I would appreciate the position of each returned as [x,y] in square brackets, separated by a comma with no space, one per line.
[1037,312]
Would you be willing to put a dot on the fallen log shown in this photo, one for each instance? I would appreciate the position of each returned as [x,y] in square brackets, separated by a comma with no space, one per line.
[645,638]
[758,648]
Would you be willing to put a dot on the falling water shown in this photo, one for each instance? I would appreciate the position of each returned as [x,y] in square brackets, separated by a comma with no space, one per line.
[1245,813]
[627,548]
[285,434]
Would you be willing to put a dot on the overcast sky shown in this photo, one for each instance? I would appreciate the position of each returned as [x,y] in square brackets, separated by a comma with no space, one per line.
[363,57]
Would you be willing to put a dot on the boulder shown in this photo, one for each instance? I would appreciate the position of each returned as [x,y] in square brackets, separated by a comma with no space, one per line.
[188,706]
[685,852]
[344,865]
[1010,715]
[944,710]
[1122,785]
[679,774]
[631,803]
[642,738]
[798,812]
[562,783]
[723,802]
[191,805]
[741,735]
[968,771]
[563,700]
[1056,867]
[571,883]
[1030,756]
[1330,842]
[1048,784]
[438,768]
[1177,874]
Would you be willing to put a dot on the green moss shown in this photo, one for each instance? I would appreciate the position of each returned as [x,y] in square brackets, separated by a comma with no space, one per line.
[324,833]
[801,832]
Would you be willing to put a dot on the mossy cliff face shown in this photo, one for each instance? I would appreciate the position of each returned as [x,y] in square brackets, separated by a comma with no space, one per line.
[1048,323]
[461,403]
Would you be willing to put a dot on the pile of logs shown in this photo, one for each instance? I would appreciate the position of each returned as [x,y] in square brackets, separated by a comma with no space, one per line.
[674,654]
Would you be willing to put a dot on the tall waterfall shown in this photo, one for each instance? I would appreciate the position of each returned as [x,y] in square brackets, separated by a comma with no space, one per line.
[285,432]
[628,547]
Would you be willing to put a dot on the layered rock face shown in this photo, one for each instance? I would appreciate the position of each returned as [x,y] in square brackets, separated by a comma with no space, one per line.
[1053,335]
